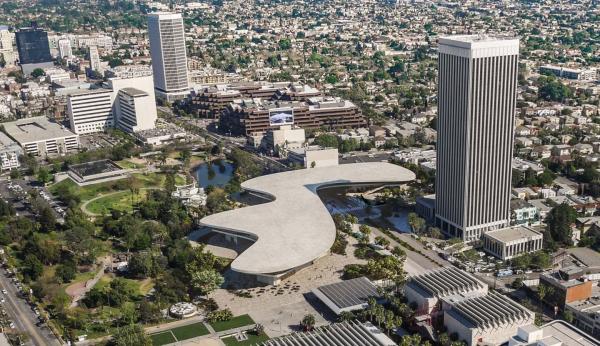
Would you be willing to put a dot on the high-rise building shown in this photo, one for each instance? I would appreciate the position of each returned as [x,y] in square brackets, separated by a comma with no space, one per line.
[476,109]
[6,46]
[169,60]
[64,48]
[34,50]
[95,64]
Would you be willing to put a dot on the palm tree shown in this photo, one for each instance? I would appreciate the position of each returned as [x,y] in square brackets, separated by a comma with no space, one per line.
[372,306]
[389,320]
[379,315]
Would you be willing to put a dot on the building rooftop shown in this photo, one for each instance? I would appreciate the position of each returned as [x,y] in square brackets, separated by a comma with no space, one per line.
[89,92]
[295,228]
[337,334]
[133,92]
[35,129]
[490,311]
[557,332]
[508,234]
[347,294]
[445,282]
[94,167]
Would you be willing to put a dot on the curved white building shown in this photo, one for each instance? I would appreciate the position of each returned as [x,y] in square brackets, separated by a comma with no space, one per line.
[295,228]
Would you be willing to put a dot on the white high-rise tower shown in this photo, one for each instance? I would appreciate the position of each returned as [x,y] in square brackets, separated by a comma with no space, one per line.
[476,108]
[169,59]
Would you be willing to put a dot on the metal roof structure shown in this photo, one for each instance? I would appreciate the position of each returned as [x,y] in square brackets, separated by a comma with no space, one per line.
[347,295]
[295,227]
[446,281]
[490,311]
[337,334]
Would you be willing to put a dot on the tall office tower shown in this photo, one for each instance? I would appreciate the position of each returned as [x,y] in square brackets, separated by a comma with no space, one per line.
[6,46]
[34,50]
[169,60]
[94,59]
[64,48]
[476,109]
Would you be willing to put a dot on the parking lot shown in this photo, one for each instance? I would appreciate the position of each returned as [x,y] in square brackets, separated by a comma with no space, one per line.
[97,141]
[20,193]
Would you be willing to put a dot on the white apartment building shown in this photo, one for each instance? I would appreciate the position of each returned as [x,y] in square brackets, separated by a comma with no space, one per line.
[64,48]
[136,110]
[168,52]
[95,63]
[9,153]
[82,41]
[90,111]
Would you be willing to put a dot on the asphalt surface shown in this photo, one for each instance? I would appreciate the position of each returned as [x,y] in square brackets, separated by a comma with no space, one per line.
[23,316]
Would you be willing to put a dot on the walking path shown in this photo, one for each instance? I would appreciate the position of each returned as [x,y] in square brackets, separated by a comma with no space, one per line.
[78,290]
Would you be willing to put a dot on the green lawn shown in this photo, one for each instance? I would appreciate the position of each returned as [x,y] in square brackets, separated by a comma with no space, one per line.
[120,201]
[253,339]
[190,331]
[162,338]
[236,322]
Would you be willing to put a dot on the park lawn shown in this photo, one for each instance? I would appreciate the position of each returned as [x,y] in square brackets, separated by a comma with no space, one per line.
[128,164]
[190,331]
[236,322]
[140,287]
[120,201]
[253,339]
[162,338]
[145,286]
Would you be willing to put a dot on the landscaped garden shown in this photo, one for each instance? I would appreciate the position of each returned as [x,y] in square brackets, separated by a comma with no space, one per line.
[253,339]
[235,322]
[179,334]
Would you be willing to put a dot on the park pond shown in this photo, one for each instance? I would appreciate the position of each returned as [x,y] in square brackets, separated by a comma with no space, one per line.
[214,173]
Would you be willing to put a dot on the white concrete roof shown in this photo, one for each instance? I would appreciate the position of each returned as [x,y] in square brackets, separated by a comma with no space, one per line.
[295,228]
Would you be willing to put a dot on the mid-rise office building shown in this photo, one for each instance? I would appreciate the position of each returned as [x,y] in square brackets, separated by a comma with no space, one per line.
[476,109]
[136,110]
[210,101]
[588,74]
[508,243]
[41,137]
[168,52]
[253,117]
[34,50]
[64,48]
[90,111]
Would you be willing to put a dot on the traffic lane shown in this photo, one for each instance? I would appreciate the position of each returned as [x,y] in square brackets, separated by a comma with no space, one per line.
[22,315]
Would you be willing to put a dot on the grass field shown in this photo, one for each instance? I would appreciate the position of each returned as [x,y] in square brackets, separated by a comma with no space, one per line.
[120,201]
[253,339]
[236,322]
[179,334]
[163,338]
[190,331]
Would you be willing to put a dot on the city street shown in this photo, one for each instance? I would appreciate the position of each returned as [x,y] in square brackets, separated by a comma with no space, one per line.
[23,316]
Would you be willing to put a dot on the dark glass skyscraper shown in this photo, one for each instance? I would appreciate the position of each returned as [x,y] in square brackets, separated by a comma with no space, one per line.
[33,46]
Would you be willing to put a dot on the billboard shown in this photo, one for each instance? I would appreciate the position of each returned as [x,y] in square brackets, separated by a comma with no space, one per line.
[281,116]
